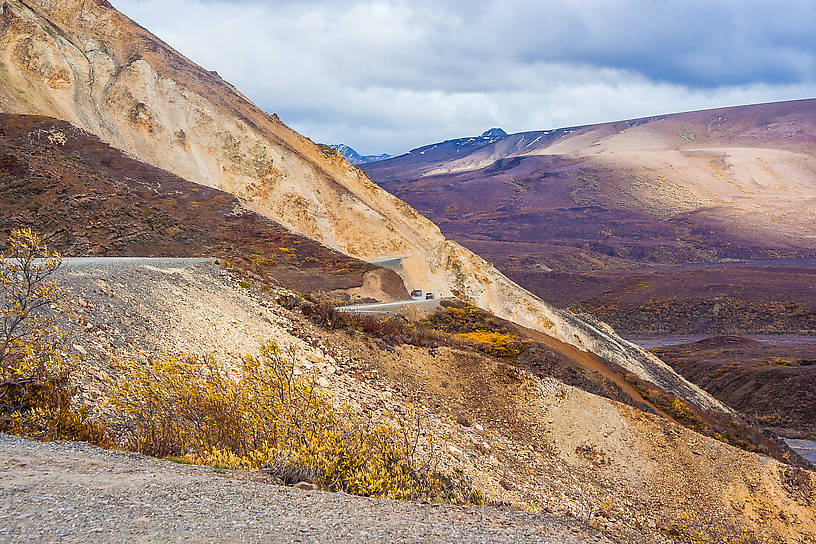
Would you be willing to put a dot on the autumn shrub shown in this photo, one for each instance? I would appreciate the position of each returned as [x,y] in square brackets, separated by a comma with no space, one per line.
[496,344]
[688,528]
[266,416]
[36,397]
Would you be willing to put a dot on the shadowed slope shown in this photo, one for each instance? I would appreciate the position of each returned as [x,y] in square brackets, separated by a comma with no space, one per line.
[89,199]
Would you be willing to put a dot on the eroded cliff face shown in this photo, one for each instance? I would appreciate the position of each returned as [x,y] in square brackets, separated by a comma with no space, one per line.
[84,62]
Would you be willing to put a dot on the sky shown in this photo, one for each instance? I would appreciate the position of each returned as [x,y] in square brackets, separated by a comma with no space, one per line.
[389,76]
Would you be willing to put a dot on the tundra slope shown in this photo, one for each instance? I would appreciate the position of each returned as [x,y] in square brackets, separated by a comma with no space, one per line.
[569,211]
[531,442]
[732,182]
[86,63]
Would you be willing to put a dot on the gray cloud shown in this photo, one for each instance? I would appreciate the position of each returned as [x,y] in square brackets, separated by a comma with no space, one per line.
[385,76]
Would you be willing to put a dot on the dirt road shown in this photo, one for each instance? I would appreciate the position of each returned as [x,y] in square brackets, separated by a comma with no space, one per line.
[70,492]
[425,306]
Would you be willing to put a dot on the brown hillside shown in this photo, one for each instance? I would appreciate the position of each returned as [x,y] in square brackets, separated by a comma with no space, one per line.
[775,384]
[711,186]
[89,199]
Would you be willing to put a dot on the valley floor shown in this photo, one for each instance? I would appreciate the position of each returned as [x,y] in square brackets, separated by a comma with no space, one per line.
[72,492]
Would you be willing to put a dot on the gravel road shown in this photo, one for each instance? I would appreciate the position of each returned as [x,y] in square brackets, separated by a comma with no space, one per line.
[72,492]
[96,263]
[426,306]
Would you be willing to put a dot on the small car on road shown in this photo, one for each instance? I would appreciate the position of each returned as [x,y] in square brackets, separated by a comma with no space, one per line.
[416,293]
[429,296]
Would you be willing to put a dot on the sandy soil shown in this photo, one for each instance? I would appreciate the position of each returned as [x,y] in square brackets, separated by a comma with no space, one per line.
[533,443]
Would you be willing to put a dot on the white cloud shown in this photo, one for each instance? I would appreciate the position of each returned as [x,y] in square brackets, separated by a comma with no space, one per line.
[385,76]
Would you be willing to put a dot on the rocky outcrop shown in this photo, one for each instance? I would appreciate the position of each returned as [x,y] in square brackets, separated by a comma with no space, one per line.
[86,63]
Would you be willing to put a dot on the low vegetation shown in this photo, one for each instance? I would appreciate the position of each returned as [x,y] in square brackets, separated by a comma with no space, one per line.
[269,417]
[263,416]
[35,392]
[773,384]
[462,326]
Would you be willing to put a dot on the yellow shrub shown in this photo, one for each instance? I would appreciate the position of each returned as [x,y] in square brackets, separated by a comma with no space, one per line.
[498,344]
[35,393]
[268,417]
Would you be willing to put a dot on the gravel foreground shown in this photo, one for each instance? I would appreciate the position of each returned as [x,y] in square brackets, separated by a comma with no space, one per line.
[74,492]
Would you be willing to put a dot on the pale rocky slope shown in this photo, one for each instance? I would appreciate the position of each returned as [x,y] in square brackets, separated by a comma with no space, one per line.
[534,443]
[84,62]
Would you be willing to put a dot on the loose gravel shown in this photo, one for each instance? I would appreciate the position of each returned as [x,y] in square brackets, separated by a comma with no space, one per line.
[73,492]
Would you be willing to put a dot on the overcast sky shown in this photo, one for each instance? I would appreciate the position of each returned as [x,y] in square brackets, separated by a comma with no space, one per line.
[388,76]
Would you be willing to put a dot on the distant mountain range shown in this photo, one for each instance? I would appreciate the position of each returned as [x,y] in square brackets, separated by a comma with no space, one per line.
[730,183]
[353,157]
[604,201]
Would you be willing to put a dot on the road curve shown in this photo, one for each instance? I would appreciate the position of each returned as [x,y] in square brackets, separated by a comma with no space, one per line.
[391,307]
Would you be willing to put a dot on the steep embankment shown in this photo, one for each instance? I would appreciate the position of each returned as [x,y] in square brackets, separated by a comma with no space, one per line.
[85,62]
[531,442]
[471,278]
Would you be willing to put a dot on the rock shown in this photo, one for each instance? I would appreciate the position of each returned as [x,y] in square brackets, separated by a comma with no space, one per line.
[305,486]
[462,420]
[80,349]
[456,452]
[478,427]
